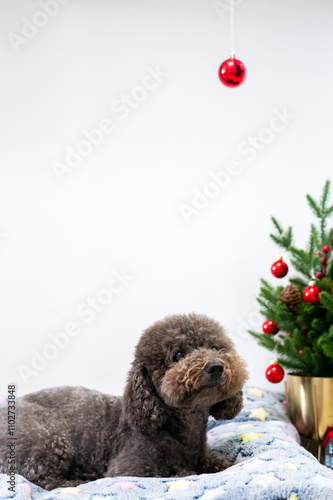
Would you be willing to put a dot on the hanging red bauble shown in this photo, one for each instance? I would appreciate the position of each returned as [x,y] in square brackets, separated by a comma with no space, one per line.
[300,352]
[270,327]
[279,269]
[311,293]
[326,249]
[232,72]
[318,254]
[274,373]
[319,276]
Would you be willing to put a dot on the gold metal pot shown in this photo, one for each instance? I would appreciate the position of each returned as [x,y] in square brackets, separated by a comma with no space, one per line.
[310,404]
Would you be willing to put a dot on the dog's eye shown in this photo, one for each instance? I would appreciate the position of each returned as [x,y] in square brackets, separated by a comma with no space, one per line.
[214,348]
[179,355]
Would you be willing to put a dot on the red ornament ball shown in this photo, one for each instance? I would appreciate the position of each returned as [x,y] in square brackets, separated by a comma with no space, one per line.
[319,276]
[270,327]
[279,269]
[326,249]
[318,254]
[232,72]
[300,352]
[311,293]
[274,373]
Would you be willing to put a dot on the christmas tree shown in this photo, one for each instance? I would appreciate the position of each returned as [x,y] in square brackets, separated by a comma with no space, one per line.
[299,316]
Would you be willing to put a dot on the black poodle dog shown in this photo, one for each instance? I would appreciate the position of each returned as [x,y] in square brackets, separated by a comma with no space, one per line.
[185,368]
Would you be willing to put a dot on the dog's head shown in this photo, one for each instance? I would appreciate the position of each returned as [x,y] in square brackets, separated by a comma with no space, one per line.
[183,361]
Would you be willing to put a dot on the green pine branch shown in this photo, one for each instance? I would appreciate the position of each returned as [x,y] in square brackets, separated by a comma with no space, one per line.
[326,301]
[294,365]
[299,282]
[326,344]
[314,207]
[277,225]
[324,196]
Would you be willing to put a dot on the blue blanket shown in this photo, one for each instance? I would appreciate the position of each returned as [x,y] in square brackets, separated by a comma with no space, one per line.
[261,442]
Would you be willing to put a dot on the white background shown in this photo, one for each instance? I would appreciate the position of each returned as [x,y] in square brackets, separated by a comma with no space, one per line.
[120,208]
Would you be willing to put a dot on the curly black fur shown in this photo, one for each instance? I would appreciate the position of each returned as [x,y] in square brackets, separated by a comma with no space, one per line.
[185,368]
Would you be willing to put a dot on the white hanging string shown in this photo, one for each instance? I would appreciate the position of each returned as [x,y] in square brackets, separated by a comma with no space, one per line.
[232,48]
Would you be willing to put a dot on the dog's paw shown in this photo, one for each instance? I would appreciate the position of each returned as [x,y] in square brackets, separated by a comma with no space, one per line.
[229,408]
[185,472]
[216,462]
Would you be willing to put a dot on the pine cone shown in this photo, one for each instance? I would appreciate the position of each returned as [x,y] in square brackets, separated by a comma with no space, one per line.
[290,297]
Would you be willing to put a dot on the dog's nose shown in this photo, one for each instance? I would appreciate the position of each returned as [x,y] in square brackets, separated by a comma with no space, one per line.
[215,370]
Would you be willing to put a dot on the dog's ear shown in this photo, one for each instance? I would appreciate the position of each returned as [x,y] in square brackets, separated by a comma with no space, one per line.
[143,407]
[228,409]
